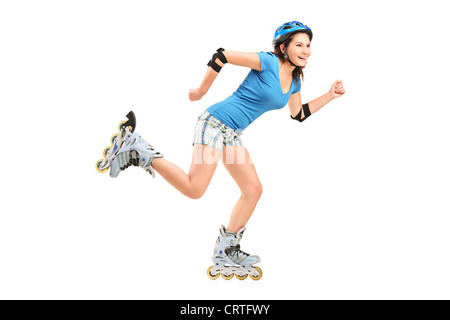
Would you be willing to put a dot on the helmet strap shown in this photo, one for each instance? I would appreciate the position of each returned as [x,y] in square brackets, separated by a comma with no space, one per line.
[285,55]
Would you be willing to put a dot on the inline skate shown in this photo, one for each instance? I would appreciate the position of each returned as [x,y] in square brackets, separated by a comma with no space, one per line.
[128,148]
[229,260]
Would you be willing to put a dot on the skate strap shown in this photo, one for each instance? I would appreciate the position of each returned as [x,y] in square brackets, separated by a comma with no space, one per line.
[231,251]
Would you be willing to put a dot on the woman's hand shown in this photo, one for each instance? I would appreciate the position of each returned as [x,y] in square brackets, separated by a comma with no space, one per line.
[196,94]
[337,89]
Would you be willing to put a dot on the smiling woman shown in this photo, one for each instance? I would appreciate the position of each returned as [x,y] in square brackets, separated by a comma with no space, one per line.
[300,51]
[273,81]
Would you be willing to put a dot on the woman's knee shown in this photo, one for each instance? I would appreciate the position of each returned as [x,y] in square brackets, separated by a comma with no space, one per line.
[194,195]
[195,192]
[253,192]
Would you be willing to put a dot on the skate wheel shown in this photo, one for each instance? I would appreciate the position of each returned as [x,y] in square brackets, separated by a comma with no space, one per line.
[227,277]
[210,275]
[121,123]
[258,276]
[242,277]
[105,151]
[114,136]
[97,166]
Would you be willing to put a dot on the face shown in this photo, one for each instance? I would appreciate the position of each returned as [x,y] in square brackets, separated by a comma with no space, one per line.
[299,49]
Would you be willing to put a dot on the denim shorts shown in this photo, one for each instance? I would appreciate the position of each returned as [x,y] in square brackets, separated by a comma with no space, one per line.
[214,133]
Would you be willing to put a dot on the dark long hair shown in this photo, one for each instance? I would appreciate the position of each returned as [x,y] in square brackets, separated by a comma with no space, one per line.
[286,40]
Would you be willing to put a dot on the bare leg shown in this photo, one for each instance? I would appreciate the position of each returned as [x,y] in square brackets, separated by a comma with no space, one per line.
[194,184]
[237,161]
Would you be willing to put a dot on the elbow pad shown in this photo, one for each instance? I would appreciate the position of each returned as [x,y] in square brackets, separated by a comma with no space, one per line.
[219,54]
[306,111]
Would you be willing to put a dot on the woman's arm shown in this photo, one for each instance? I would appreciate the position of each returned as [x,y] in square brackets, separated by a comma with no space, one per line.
[243,59]
[295,104]
[250,60]
[210,76]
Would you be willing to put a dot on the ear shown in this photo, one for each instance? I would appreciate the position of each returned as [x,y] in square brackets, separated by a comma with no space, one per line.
[282,48]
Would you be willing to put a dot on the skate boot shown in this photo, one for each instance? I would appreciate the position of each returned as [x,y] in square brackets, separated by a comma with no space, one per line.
[128,148]
[137,152]
[229,260]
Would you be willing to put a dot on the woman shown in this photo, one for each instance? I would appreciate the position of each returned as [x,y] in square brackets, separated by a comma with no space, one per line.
[273,82]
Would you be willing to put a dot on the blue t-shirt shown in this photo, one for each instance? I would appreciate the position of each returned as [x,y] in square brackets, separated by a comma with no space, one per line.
[260,92]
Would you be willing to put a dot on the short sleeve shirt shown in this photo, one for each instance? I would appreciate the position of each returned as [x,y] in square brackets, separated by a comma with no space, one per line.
[260,92]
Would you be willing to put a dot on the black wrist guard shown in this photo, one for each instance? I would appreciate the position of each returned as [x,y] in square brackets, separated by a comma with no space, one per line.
[306,111]
[219,54]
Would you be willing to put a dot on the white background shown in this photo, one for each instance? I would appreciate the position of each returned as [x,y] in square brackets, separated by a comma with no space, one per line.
[355,202]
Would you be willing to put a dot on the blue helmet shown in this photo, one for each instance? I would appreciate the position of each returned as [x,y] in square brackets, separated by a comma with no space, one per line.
[289,27]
